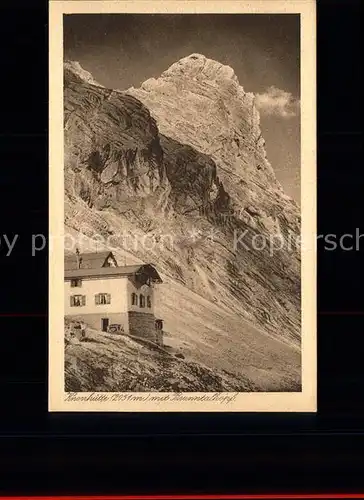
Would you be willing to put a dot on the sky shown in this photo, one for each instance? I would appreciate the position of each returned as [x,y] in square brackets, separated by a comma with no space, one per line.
[124,50]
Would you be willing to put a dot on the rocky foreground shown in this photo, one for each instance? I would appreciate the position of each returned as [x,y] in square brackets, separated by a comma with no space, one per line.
[106,363]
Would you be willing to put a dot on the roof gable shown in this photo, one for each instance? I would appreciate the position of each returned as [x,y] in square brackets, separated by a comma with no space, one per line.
[92,260]
[113,272]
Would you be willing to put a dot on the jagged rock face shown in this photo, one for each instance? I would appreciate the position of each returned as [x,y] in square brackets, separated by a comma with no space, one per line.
[113,153]
[199,102]
[183,156]
[195,186]
[112,150]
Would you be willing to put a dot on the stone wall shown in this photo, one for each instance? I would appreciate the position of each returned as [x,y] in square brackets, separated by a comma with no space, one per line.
[159,337]
[138,324]
[142,325]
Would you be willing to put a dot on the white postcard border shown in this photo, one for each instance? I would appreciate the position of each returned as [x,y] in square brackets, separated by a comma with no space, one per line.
[58,399]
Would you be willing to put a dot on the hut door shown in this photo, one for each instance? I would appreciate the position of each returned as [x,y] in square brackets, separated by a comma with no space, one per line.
[104,324]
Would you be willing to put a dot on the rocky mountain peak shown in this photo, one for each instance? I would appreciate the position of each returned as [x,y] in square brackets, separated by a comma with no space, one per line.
[200,67]
[75,72]
[200,102]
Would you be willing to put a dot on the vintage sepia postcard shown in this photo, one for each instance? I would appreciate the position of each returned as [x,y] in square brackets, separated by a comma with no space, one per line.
[182,229]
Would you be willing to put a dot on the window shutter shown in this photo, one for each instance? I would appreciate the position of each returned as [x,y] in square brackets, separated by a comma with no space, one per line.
[83,300]
[97,299]
[108,298]
[72,301]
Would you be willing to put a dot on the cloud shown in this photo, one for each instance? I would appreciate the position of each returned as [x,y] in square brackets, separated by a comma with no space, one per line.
[277,102]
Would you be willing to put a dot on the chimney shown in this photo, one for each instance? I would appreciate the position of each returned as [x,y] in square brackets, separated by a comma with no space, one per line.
[79,259]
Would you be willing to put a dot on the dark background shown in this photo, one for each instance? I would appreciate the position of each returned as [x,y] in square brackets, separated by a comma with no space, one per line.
[48,453]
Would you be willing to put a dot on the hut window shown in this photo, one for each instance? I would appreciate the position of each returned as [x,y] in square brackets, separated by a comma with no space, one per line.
[134,299]
[149,301]
[76,282]
[102,298]
[77,300]
[159,324]
[142,300]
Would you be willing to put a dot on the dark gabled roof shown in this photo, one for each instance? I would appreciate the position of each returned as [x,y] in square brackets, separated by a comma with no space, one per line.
[92,260]
[114,272]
